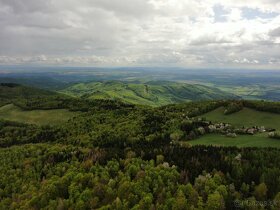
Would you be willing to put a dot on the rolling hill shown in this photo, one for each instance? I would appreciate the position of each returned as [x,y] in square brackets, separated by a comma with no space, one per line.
[32,105]
[114,155]
[13,93]
[155,93]
[246,117]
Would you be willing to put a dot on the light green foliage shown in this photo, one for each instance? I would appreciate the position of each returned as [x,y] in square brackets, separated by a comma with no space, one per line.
[277,201]
[159,159]
[180,201]
[121,156]
[215,202]
[177,135]
[261,191]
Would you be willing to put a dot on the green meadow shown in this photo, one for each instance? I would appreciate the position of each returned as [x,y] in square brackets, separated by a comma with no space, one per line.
[40,117]
[247,117]
[258,140]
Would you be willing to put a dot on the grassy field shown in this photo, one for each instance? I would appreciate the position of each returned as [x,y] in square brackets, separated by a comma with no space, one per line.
[259,140]
[246,117]
[40,117]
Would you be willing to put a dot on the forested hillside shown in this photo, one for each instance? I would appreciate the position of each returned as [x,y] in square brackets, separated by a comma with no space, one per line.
[30,98]
[115,155]
[146,93]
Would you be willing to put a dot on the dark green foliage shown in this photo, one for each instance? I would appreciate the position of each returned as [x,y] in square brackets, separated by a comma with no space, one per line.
[266,106]
[121,156]
[29,98]
[233,107]
[13,133]
[49,176]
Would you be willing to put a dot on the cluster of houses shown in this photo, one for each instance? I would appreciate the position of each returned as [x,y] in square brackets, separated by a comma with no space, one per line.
[229,131]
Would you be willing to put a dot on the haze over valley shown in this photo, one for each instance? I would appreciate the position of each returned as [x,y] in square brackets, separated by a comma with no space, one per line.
[140,104]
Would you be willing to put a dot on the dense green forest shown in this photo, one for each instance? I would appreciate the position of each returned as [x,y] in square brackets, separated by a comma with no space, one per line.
[116,155]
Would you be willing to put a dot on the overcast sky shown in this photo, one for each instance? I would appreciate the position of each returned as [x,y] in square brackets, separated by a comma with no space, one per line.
[183,33]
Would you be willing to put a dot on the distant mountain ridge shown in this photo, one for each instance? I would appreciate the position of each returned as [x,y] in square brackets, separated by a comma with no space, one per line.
[154,93]
[13,93]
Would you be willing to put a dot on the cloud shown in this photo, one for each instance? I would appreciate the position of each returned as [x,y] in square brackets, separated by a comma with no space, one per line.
[190,33]
[210,39]
[275,32]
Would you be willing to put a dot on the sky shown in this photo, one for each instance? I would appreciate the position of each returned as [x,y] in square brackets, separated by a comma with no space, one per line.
[177,33]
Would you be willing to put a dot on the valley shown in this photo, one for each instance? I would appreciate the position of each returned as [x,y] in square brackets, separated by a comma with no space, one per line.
[156,93]
[139,105]
[126,144]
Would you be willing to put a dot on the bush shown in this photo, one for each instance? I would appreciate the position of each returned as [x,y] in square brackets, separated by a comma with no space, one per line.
[177,135]
[233,107]
[231,135]
[274,135]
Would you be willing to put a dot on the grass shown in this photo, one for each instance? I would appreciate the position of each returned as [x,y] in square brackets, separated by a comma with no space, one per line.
[39,117]
[247,117]
[259,140]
